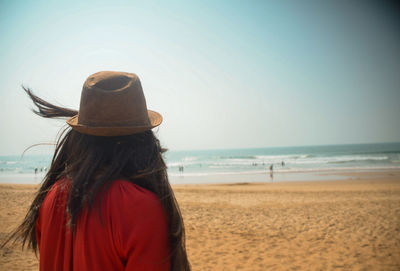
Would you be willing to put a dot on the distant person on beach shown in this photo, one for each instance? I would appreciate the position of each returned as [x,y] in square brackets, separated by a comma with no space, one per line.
[106,202]
[283,164]
[271,171]
[36,170]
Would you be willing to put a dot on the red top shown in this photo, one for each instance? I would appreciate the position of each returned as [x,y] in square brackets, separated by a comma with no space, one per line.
[132,233]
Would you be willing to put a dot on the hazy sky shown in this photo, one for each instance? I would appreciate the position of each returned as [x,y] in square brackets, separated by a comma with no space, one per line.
[224,74]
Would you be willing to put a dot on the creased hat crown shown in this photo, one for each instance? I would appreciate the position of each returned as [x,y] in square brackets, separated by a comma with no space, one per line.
[113,104]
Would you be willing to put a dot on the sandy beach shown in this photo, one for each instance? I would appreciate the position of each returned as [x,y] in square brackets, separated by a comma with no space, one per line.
[351,224]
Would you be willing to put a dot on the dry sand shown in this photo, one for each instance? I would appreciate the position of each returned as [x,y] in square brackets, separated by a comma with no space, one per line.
[330,225]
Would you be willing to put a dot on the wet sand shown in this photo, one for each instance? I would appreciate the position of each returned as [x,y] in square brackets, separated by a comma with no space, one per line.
[351,224]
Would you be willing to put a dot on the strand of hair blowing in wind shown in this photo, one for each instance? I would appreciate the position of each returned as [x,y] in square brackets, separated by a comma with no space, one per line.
[92,163]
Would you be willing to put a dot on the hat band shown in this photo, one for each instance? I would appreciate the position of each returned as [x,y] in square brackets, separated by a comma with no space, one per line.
[113,123]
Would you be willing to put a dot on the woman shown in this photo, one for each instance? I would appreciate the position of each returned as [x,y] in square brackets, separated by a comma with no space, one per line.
[106,203]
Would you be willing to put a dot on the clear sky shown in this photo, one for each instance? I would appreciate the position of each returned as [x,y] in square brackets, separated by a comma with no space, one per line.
[224,74]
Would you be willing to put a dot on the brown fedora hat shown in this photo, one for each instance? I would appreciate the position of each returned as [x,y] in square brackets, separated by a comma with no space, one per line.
[113,104]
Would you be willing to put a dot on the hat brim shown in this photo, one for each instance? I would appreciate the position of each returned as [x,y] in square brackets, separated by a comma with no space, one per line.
[154,118]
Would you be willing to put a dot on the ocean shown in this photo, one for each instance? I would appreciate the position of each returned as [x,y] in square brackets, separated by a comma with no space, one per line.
[240,165]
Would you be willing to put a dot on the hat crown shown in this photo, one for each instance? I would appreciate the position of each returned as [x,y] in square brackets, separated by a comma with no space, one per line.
[113,104]
[113,99]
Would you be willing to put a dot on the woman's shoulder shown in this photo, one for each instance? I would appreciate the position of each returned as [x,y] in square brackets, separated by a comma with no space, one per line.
[123,191]
[125,202]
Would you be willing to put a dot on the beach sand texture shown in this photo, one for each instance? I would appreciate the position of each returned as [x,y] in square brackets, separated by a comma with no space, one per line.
[330,225]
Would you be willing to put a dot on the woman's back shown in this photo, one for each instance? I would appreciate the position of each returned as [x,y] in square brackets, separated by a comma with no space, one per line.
[128,231]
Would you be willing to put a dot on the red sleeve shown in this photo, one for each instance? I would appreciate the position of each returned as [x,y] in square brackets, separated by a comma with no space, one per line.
[140,229]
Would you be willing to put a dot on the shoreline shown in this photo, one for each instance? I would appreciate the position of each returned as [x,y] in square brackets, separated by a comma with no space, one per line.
[314,176]
[318,178]
[256,177]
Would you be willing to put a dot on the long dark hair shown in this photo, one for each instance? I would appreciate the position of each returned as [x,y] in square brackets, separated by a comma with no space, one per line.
[92,163]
